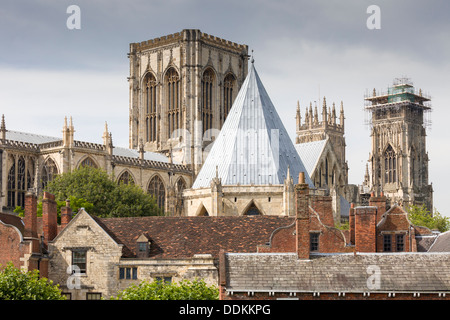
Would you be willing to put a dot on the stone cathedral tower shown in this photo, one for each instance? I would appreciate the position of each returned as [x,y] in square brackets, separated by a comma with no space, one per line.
[399,159]
[182,87]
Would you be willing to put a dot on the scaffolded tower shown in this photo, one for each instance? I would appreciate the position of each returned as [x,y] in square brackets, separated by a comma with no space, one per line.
[399,160]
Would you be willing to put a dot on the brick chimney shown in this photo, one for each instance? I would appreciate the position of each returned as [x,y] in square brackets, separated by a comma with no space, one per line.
[49,217]
[30,220]
[66,214]
[380,203]
[351,222]
[301,191]
[365,229]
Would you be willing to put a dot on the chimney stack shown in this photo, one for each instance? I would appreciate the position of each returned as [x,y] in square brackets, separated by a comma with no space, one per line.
[365,229]
[30,220]
[380,203]
[49,217]
[302,221]
[66,214]
[351,222]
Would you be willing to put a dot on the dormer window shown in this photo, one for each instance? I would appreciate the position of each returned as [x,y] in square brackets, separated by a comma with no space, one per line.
[142,246]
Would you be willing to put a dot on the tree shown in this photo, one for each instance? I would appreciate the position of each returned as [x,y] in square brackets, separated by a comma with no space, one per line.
[420,216]
[157,290]
[108,198]
[18,285]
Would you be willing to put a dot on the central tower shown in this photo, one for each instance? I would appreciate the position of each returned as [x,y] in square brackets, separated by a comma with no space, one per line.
[182,87]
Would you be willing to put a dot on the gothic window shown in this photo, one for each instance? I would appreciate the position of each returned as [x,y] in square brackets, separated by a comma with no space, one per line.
[173,101]
[156,188]
[49,171]
[252,210]
[20,179]
[390,164]
[228,86]
[150,107]
[88,162]
[180,186]
[207,102]
[126,178]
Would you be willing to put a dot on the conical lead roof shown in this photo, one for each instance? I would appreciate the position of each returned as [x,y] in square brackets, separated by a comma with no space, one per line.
[253,146]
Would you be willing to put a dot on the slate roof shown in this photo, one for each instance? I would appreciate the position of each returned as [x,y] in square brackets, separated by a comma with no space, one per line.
[182,237]
[253,146]
[29,137]
[441,243]
[409,272]
[131,153]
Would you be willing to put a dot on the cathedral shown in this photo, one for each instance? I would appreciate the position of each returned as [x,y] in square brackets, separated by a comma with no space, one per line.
[205,139]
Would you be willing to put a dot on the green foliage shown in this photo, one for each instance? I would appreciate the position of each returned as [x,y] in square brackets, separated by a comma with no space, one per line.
[420,216]
[107,198]
[157,290]
[18,285]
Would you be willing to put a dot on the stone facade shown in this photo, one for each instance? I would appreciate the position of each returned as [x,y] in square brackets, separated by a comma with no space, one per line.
[182,87]
[29,161]
[399,159]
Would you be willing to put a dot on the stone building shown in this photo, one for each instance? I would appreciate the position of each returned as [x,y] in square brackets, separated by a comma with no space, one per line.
[399,159]
[29,161]
[182,87]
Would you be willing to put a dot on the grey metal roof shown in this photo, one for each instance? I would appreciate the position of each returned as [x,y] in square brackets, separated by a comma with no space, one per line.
[29,137]
[130,153]
[253,146]
[278,272]
[310,153]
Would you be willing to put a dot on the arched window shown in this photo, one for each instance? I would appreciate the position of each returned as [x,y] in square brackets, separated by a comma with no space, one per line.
[49,171]
[207,101]
[150,107]
[180,186]
[88,162]
[126,178]
[390,165]
[20,179]
[173,101]
[228,87]
[252,210]
[156,188]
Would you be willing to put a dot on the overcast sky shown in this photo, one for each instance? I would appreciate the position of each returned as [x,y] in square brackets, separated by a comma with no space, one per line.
[303,50]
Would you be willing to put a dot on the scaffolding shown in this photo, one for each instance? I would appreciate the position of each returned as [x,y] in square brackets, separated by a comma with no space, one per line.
[401,94]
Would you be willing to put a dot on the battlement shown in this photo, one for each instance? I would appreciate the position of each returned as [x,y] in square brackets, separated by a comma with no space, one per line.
[187,35]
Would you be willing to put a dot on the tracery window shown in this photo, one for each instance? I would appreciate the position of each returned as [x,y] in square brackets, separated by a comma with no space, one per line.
[150,107]
[126,178]
[88,162]
[49,171]
[173,101]
[20,179]
[390,165]
[207,102]
[180,186]
[156,188]
[228,86]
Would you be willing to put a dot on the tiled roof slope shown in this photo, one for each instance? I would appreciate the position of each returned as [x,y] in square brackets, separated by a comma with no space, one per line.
[338,273]
[182,237]
[442,243]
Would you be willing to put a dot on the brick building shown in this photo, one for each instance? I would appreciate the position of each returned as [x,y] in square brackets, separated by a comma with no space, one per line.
[376,259]
[24,242]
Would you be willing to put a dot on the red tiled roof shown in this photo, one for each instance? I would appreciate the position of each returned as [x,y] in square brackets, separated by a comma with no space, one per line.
[13,220]
[182,237]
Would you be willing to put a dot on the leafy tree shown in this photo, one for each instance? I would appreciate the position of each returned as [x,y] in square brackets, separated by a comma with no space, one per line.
[18,285]
[157,290]
[420,216]
[108,198]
